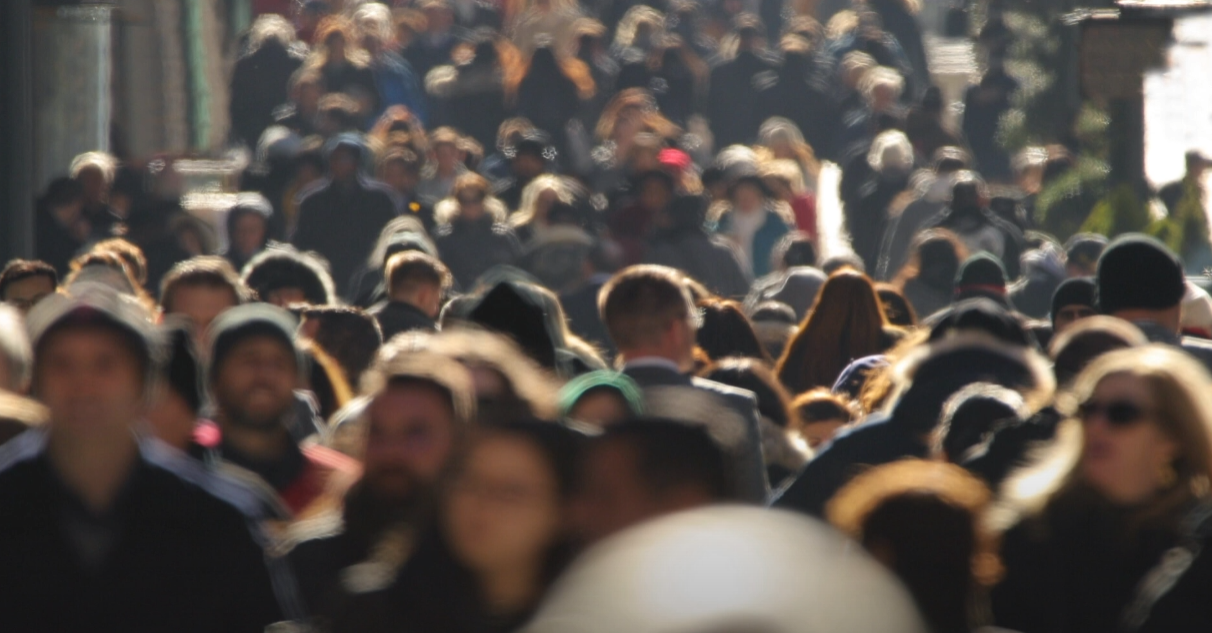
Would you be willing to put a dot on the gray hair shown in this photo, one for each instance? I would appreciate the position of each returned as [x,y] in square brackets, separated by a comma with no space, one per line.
[15,351]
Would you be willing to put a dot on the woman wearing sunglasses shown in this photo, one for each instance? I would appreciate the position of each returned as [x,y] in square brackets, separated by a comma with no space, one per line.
[1117,516]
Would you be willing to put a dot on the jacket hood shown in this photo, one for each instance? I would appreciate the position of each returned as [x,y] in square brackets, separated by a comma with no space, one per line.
[927,377]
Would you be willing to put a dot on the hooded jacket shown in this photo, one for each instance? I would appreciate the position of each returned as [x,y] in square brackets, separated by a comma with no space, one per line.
[925,379]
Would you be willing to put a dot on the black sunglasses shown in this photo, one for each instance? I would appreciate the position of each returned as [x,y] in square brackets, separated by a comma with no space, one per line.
[1117,413]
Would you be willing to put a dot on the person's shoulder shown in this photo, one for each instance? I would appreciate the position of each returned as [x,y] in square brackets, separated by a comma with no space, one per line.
[733,394]
[314,192]
[19,453]
[188,483]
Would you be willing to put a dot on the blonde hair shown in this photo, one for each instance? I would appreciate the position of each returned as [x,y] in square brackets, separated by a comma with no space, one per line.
[374,19]
[784,171]
[448,209]
[530,197]
[881,76]
[1182,408]
[778,130]
[636,16]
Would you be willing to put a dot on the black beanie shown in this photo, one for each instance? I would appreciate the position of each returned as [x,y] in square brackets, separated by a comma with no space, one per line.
[982,275]
[1137,271]
[1077,291]
[253,319]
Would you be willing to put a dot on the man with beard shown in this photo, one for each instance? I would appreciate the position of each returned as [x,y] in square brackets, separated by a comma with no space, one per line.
[254,368]
[421,407]
[106,530]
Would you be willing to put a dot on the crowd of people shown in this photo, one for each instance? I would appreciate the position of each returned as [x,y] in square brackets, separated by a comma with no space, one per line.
[508,285]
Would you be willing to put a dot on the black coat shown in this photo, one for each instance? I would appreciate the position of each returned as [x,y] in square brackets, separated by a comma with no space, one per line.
[396,317]
[867,217]
[258,86]
[475,104]
[343,223]
[800,97]
[179,558]
[469,249]
[743,449]
[734,101]
[878,440]
[706,258]
[1075,568]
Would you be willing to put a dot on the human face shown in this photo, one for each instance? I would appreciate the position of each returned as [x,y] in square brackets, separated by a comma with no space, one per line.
[249,234]
[447,157]
[409,439]
[343,164]
[503,510]
[91,382]
[747,198]
[471,206]
[26,293]
[819,432]
[612,497]
[1124,460]
[254,385]
[93,181]
[654,196]
[399,178]
[1068,315]
[600,407]
[201,304]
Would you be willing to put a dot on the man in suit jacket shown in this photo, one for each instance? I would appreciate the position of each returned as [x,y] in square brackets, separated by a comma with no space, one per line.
[652,321]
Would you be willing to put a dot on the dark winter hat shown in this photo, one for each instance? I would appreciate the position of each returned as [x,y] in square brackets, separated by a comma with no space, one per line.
[250,320]
[983,316]
[508,309]
[982,275]
[1077,291]
[1084,249]
[534,143]
[1137,271]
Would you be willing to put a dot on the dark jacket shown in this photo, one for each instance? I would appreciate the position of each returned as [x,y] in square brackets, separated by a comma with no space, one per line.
[707,258]
[330,557]
[470,248]
[395,317]
[171,554]
[804,99]
[584,319]
[476,103]
[258,86]
[949,367]
[1076,566]
[343,222]
[867,217]
[734,105]
[743,446]
[982,229]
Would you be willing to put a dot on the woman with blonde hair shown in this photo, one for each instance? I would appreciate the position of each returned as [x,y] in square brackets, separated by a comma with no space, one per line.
[1115,516]
[786,181]
[530,218]
[846,322]
[472,233]
[783,140]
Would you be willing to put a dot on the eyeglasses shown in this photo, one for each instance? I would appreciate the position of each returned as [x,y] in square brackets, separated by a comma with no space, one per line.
[1119,413]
